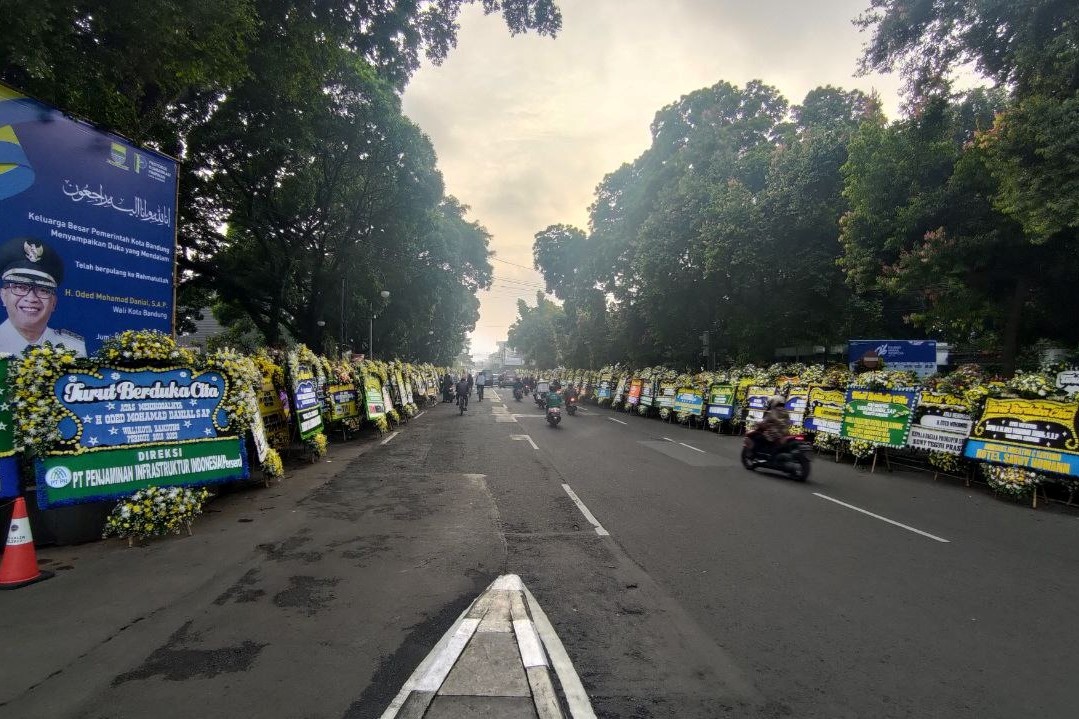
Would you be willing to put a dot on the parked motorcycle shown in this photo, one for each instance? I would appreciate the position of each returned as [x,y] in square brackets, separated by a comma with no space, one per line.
[554,416]
[791,456]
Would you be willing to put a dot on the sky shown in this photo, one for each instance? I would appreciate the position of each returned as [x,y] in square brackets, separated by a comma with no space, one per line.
[526,127]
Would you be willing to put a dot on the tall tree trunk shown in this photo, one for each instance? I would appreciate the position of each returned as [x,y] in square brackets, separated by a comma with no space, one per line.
[1010,340]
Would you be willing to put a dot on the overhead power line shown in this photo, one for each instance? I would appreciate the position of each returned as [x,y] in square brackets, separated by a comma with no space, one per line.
[507,262]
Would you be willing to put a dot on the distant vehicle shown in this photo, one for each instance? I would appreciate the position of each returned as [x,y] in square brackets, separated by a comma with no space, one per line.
[506,379]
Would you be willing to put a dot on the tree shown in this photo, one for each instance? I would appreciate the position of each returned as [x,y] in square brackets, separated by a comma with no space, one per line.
[536,332]
[923,226]
[304,191]
[1028,47]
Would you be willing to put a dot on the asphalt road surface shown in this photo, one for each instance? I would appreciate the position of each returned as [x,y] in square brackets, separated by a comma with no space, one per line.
[680,584]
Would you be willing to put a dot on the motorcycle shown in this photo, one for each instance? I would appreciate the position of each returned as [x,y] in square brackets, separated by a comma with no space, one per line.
[518,393]
[462,403]
[571,405]
[791,456]
[554,416]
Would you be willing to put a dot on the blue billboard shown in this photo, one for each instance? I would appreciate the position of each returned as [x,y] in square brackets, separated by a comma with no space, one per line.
[918,356]
[87,231]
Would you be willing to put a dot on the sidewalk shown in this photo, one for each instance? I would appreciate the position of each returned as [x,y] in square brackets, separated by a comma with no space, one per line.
[495,661]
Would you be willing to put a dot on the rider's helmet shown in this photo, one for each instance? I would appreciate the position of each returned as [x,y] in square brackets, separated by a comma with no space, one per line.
[777,401]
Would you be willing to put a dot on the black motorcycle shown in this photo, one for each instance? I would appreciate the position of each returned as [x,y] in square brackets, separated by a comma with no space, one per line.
[462,402]
[790,456]
[518,393]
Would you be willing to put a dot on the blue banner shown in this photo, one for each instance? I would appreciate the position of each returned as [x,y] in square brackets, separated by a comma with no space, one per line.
[9,477]
[308,408]
[115,407]
[87,231]
[1041,460]
[918,356]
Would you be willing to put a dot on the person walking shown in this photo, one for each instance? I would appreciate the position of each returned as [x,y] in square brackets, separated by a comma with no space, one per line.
[462,392]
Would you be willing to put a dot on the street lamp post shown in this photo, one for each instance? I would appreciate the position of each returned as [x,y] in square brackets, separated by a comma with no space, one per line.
[385,295]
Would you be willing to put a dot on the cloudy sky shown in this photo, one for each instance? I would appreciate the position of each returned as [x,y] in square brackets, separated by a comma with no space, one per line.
[526,127]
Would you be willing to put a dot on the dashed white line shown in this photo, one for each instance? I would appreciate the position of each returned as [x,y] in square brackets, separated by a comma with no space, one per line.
[690,446]
[392,435]
[616,420]
[524,438]
[667,439]
[420,414]
[584,510]
[883,519]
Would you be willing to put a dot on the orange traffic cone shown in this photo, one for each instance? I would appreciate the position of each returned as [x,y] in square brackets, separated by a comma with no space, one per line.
[19,565]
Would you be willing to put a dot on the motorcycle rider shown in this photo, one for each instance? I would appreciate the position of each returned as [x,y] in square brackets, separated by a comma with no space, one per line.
[775,423]
[554,396]
[518,387]
[570,394]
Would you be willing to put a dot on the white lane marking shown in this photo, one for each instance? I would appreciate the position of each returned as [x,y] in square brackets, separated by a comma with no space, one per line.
[667,439]
[392,435]
[616,420]
[440,669]
[421,414]
[584,510]
[883,519]
[524,438]
[692,447]
[529,416]
[528,642]
[576,697]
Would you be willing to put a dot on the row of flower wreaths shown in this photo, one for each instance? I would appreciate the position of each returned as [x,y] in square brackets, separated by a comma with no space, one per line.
[969,384]
[37,412]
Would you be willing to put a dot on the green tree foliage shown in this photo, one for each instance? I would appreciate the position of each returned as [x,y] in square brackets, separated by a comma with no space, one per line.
[538,332]
[304,191]
[727,223]
[1030,48]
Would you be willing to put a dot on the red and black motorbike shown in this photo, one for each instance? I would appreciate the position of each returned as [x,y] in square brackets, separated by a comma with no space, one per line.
[790,455]
[571,404]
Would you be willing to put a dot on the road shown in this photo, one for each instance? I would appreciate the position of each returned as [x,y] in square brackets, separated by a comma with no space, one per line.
[680,584]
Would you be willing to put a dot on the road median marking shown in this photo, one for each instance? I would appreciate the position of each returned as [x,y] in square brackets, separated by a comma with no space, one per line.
[524,438]
[392,435]
[690,446]
[883,519]
[584,510]
[616,420]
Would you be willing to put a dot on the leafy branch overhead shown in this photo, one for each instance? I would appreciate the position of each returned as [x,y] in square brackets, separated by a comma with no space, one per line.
[305,192]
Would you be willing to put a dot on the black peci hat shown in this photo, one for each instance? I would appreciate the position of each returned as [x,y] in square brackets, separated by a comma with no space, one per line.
[25,259]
